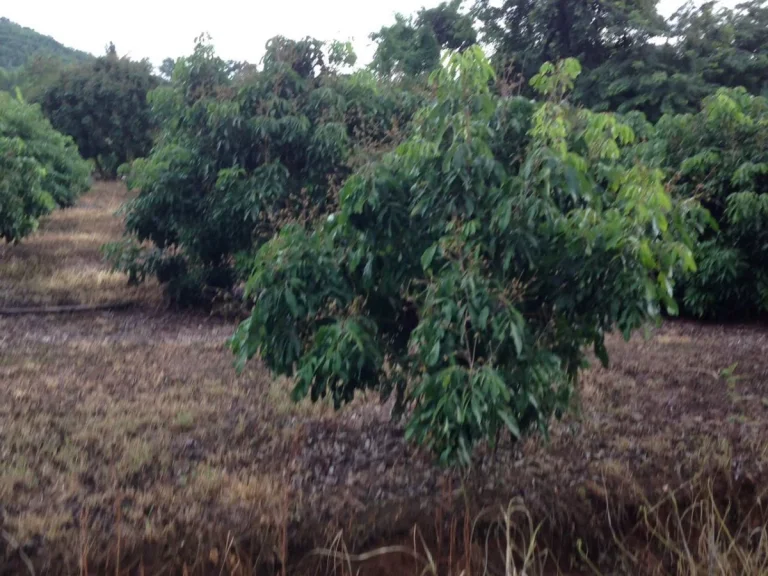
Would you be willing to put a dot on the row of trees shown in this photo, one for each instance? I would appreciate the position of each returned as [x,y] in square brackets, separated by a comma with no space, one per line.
[78,104]
[456,246]
[100,102]
[40,168]
[209,110]
[719,156]
[454,234]
[632,58]
[458,234]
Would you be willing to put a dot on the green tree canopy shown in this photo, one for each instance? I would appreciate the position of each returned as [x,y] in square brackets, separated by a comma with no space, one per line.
[724,47]
[103,105]
[632,58]
[531,32]
[467,269]
[411,47]
[242,151]
[166,68]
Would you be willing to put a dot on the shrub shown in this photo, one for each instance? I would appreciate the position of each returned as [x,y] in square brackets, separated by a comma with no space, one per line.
[467,270]
[39,168]
[242,151]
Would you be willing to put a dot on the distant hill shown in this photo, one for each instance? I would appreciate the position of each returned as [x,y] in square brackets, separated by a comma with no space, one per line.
[18,43]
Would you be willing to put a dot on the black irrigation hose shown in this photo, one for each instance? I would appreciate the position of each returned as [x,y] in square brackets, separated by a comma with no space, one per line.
[66,309]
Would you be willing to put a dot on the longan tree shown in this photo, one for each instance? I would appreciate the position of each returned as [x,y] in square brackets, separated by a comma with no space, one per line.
[467,270]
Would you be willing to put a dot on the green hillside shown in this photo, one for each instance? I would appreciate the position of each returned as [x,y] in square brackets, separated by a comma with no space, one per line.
[18,43]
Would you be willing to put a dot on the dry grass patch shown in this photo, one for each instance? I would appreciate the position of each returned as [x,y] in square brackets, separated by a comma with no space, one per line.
[146,410]
[61,264]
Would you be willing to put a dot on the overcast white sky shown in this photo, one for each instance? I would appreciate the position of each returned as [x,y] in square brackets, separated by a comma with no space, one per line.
[157,29]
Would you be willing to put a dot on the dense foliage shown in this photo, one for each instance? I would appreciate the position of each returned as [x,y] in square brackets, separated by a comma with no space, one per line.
[103,105]
[242,151]
[468,269]
[411,47]
[617,41]
[720,156]
[39,168]
[721,47]
[19,44]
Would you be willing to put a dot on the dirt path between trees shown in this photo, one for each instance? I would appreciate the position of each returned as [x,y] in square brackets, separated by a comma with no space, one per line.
[128,434]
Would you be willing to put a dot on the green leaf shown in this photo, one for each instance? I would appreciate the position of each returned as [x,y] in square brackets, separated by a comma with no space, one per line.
[476,413]
[483,318]
[646,257]
[510,422]
[290,300]
[514,331]
[427,256]
[434,354]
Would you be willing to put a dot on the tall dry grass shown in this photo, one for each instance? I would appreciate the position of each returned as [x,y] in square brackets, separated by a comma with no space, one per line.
[702,538]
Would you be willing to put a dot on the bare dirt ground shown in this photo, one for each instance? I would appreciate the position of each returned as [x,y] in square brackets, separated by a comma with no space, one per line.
[127,436]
